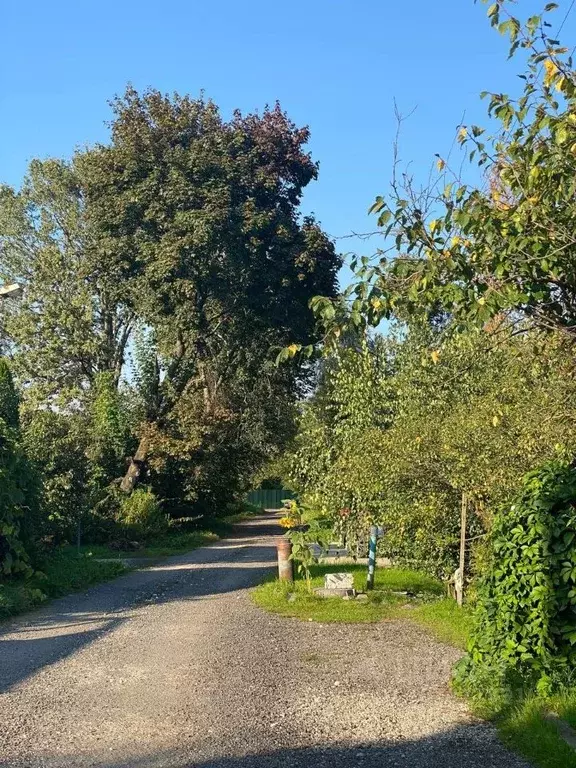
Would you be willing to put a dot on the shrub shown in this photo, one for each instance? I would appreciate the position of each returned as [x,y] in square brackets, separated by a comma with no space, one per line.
[524,631]
[141,514]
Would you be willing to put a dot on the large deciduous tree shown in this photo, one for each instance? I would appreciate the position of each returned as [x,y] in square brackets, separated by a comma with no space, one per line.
[204,214]
[183,230]
[72,321]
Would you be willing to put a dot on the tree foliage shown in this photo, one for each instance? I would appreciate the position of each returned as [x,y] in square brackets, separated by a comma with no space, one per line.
[505,246]
[400,428]
[203,216]
[17,481]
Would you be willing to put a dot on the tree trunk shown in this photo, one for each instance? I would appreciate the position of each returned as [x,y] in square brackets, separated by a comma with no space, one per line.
[136,467]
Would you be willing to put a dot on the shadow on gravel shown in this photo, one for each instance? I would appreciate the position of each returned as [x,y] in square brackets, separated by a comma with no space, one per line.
[465,746]
[67,624]
[20,658]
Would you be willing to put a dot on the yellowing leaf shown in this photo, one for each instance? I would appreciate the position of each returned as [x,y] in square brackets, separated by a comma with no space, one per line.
[561,134]
[495,421]
[481,301]
[462,134]
[293,348]
[560,83]
[551,71]
[440,164]
[435,355]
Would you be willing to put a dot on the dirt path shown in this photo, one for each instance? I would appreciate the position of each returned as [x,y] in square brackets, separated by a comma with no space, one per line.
[174,666]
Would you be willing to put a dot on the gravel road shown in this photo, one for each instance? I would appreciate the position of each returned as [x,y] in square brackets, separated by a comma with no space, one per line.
[174,666]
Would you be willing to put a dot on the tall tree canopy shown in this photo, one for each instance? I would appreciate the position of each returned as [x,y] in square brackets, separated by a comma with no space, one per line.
[181,236]
[204,215]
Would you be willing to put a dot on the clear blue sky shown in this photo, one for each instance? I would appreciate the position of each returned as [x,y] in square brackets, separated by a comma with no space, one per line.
[336,65]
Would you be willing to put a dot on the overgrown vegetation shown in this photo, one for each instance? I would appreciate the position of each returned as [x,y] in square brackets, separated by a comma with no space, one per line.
[57,574]
[525,628]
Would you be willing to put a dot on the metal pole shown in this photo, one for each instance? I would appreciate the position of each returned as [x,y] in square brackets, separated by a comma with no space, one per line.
[372,556]
[285,564]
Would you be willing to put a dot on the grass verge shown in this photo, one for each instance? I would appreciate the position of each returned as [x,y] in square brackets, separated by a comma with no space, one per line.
[164,546]
[398,593]
[174,542]
[525,729]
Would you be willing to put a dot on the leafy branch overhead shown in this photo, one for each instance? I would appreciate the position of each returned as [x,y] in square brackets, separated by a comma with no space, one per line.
[506,246]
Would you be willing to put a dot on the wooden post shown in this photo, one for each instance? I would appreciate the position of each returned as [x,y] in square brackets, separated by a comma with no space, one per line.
[460,580]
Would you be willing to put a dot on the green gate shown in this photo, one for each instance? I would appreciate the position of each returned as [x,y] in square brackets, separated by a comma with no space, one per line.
[269,498]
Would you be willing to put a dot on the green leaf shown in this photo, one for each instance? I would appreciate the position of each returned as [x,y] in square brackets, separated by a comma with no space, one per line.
[384,218]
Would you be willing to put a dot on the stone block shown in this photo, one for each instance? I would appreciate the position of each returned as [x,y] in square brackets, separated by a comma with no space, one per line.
[339,581]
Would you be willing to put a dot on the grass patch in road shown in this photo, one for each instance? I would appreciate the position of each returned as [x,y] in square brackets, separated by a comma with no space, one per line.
[389,579]
[274,596]
[423,604]
[60,574]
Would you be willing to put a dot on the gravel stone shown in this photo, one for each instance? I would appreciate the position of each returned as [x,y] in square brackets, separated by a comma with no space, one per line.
[174,666]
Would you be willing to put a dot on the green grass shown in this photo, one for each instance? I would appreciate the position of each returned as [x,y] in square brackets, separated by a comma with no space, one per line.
[392,579]
[445,620]
[525,730]
[565,706]
[423,605]
[66,570]
[60,574]
[174,542]
[273,596]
